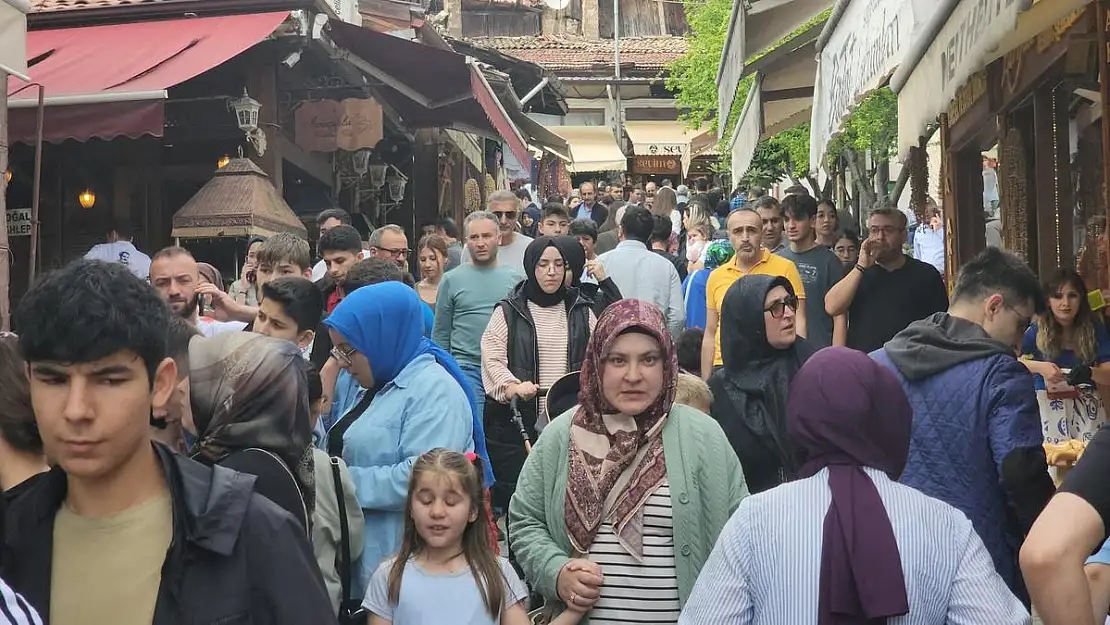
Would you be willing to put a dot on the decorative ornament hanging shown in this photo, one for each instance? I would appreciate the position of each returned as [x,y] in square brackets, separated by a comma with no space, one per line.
[472,196]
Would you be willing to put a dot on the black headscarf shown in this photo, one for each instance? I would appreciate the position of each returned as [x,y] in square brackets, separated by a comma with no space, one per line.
[756,376]
[573,255]
[532,289]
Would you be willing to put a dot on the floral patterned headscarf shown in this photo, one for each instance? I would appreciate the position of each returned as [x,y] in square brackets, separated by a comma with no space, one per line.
[602,450]
[717,253]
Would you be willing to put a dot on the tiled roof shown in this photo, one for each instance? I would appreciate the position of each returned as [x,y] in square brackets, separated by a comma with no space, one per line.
[46,6]
[563,54]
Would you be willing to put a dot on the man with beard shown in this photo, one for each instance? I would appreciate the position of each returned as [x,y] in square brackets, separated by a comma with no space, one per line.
[745,232]
[174,274]
[887,290]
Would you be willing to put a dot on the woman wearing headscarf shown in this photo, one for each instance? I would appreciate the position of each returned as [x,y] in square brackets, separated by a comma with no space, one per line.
[250,413]
[536,335]
[417,399]
[761,353]
[887,553]
[622,497]
[602,291]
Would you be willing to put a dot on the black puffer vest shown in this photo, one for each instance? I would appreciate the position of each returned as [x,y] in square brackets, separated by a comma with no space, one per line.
[506,448]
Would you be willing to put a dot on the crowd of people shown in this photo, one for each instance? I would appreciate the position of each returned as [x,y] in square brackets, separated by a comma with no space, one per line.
[675,407]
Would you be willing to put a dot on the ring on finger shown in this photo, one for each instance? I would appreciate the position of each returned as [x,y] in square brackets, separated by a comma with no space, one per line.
[574,598]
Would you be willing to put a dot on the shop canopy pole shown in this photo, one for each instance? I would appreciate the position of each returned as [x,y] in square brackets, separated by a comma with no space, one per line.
[1103,28]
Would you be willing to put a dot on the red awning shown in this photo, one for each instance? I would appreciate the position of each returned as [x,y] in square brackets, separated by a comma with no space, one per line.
[430,87]
[109,81]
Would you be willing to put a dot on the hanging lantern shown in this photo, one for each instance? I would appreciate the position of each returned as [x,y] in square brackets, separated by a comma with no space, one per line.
[87,198]
[224,160]
[246,112]
[377,174]
[396,187]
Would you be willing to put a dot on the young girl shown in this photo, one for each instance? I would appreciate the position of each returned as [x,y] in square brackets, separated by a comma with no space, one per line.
[446,571]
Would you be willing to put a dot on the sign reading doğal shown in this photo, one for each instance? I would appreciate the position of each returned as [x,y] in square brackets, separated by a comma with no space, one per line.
[19,222]
[327,125]
[865,47]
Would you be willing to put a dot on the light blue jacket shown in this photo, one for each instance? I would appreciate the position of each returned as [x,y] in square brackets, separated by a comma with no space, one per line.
[421,409]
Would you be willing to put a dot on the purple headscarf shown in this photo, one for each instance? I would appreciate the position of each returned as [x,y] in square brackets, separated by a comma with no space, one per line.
[846,411]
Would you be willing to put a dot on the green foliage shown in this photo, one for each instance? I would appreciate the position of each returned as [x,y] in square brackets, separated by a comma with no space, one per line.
[785,154]
[873,125]
[693,77]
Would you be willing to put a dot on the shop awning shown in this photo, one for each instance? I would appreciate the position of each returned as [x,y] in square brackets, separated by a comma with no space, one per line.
[592,148]
[702,145]
[960,39]
[781,97]
[13,36]
[753,27]
[862,47]
[659,138]
[109,81]
[430,87]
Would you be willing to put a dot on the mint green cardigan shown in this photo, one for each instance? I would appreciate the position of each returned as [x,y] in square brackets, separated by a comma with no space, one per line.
[703,473]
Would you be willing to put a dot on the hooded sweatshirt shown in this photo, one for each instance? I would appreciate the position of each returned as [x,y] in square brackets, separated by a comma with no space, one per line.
[976,436]
[938,343]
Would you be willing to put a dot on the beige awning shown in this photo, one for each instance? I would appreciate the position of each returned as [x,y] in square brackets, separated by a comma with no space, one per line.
[13,36]
[592,148]
[660,138]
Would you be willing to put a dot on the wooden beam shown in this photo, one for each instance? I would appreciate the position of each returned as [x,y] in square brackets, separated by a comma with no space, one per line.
[1044,168]
[796,93]
[312,163]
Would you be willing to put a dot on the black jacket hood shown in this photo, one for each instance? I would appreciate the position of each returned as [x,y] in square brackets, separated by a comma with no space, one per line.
[938,343]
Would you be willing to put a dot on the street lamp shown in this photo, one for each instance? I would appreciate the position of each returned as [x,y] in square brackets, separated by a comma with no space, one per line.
[246,115]
[396,184]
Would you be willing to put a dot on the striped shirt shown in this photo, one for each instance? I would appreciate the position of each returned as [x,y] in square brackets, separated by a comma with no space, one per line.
[551,339]
[766,566]
[635,592]
[14,609]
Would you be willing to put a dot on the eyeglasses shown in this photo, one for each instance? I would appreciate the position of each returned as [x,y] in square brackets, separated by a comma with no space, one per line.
[1023,321]
[399,253]
[547,265]
[343,356]
[883,230]
[505,214]
[778,309]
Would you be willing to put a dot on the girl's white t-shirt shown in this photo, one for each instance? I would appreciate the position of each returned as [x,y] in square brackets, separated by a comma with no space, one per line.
[433,599]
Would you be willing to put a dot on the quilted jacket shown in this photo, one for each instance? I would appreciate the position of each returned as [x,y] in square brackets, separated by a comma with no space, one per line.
[976,436]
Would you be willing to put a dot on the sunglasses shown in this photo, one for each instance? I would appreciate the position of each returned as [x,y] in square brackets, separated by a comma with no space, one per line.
[505,214]
[778,309]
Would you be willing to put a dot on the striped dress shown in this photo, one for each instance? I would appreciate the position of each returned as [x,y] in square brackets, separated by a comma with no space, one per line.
[639,592]
[766,566]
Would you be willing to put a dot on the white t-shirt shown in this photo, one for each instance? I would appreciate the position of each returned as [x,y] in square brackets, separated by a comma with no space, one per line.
[124,253]
[209,327]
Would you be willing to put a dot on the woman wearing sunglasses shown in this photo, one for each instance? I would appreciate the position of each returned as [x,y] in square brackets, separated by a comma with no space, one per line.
[761,351]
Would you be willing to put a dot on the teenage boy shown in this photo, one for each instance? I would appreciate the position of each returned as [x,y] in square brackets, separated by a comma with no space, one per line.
[340,247]
[281,255]
[291,309]
[818,267]
[123,531]
[554,220]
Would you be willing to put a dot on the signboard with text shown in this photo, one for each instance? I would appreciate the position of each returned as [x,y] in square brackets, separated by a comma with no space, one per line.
[19,222]
[656,165]
[327,125]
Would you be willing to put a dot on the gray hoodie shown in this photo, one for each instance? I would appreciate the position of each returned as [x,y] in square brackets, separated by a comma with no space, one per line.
[938,343]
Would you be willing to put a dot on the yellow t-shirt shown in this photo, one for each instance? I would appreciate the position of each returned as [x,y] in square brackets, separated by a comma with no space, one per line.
[724,276]
[107,570]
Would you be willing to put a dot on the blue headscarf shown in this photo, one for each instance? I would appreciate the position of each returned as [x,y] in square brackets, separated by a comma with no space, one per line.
[385,323]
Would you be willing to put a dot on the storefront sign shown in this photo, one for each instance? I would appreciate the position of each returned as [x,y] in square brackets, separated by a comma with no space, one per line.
[19,222]
[974,28]
[660,149]
[867,44]
[656,165]
[967,96]
[327,125]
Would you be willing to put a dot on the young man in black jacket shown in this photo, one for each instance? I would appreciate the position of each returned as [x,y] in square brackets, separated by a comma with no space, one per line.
[123,530]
